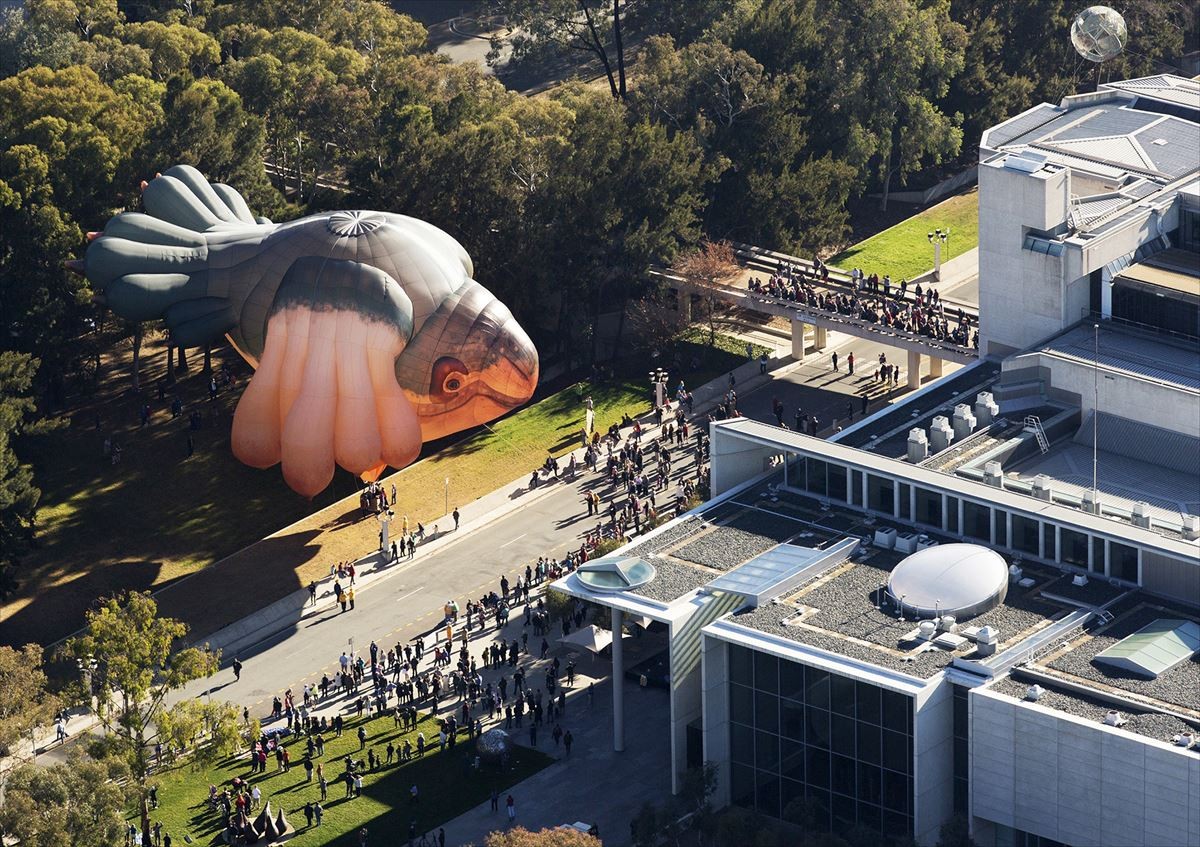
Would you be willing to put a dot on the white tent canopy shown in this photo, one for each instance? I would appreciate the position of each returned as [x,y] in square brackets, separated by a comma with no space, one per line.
[590,637]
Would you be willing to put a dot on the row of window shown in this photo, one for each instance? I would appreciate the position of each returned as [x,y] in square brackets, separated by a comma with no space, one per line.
[824,810]
[977,522]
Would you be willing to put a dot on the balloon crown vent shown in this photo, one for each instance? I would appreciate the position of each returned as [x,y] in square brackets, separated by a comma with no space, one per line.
[354,223]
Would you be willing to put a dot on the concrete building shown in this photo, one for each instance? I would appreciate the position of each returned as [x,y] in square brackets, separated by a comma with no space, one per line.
[1091,207]
[983,600]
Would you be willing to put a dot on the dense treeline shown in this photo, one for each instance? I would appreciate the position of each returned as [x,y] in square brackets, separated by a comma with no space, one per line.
[757,120]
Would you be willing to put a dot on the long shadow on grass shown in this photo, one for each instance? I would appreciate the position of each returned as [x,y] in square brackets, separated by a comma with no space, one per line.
[41,619]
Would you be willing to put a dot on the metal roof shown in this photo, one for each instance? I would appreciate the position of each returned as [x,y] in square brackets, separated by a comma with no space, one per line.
[1154,649]
[1166,88]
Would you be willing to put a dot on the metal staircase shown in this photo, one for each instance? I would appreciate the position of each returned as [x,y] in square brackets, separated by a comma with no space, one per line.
[1034,424]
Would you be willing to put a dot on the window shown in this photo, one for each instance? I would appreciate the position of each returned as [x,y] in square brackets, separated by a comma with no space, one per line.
[766,751]
[766,672]
[1097,555]
[961,756]
[1049,535]
[741,704]
[791,680]
[881,494]
[741,667]
[905,501]
[977,522]
[817,688]
[929,507]
[952,514]
[767,793]
[1000,519]
[868,703]
[766,711]
[817,472]
[1025,532]
[816,731]
[741,785]
[856,488]
[791,719]
[1122,561]
[837,483]
[841,695]
[842,735]
[1074,547]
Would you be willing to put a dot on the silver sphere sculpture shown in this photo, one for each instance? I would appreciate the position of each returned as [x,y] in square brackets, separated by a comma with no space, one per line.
[1099,34]
[493,745]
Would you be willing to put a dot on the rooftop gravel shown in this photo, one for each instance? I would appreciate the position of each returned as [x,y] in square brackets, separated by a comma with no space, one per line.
[1150,724]
[666,538]
[1180,686]
[741,539]
[674,580]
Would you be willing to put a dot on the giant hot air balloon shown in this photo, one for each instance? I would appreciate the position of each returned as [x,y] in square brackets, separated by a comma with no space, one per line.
[366,331]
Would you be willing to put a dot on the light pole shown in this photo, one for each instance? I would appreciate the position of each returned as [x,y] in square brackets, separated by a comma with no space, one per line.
[937,238]
[658,381]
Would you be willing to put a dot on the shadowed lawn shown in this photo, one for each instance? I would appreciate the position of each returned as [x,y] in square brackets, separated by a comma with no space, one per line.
[904,250]
[159,515]
[447,784]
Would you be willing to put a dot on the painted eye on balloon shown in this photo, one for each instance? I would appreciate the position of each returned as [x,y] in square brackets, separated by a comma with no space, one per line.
[449,376]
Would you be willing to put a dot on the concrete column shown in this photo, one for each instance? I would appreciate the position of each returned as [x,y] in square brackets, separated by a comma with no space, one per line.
[798,328]
[914,370]
[820,337]
[935,366]
[618,681]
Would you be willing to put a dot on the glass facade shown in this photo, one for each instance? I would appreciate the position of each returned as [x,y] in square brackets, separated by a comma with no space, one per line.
[839,748]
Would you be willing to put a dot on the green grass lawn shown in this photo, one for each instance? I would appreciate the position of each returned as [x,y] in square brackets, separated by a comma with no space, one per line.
[447,785]
[904,250]
[158,515]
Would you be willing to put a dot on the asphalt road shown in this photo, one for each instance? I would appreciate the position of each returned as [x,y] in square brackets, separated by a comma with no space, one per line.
[408,602]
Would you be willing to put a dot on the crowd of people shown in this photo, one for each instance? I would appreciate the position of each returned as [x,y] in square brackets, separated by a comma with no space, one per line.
[874,300]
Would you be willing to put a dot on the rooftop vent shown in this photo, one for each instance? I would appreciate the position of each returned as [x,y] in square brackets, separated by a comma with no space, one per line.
[1184,740]
[1114,718]
[1034,693]
[1079,580]
[1159,142]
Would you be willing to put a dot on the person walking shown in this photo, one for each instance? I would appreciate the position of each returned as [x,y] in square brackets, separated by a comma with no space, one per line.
[850,363]
[568,740]
[495,800]
[237,668]
[350,597]
[511,804]
[312,593]
[455,515]
[834,359]
[318,812]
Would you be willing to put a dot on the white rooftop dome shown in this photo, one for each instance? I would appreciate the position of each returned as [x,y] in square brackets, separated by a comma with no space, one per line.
[951,579]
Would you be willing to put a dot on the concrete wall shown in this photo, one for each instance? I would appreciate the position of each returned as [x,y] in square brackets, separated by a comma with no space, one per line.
[933,747]
[714,683]
[1143,400]
[739,460]
[1077,781]
[1020,292]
